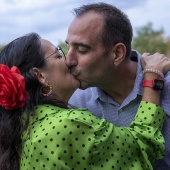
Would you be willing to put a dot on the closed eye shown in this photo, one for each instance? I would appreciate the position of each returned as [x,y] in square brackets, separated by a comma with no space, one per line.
[60,56]
[80,47]
[82,51]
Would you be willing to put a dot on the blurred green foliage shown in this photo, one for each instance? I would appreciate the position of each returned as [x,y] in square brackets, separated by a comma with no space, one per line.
[64,47]
[146,40]
[150,40]
[1,47]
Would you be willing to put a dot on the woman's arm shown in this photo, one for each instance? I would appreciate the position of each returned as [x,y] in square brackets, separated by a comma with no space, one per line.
[153,66]
[138,146]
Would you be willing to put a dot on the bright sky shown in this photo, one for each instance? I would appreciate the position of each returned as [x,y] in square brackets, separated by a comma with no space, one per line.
[51,18]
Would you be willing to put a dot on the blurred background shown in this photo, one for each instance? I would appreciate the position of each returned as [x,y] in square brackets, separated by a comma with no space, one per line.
[51,18]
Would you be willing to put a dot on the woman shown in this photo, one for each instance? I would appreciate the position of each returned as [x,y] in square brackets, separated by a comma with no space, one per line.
[38,131]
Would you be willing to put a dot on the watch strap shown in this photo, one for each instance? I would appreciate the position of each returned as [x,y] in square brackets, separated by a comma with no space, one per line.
[155,84]
[147,83]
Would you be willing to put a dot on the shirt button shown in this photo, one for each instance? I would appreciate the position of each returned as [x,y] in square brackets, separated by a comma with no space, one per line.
[120,110]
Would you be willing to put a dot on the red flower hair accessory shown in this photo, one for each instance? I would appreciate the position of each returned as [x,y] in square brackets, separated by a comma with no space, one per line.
[12,88]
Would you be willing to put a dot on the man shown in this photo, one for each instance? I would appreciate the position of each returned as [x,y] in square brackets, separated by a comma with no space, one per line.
[100,56]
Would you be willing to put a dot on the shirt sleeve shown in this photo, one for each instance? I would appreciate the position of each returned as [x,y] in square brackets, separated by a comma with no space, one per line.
[135,147]
[79,140]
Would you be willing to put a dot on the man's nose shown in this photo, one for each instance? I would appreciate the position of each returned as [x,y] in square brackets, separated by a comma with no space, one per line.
[71,59]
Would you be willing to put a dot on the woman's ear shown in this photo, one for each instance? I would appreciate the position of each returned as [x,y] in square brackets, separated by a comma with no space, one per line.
[119,53]
[41,76]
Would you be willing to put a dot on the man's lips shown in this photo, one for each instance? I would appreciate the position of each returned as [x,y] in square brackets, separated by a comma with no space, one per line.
[73,74]
[76,77]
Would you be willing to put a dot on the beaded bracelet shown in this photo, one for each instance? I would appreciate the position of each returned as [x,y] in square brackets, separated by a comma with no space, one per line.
[153,71]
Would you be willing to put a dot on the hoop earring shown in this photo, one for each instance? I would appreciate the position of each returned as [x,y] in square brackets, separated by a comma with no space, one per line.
[46,94]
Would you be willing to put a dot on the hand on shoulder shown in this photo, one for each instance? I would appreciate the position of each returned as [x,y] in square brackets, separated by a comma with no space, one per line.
[155,61]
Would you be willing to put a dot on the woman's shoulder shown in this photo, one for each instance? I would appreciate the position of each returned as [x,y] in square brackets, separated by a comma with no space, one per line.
[50,113]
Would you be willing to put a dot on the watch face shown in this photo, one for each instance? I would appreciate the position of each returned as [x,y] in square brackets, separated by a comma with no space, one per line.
[158,84]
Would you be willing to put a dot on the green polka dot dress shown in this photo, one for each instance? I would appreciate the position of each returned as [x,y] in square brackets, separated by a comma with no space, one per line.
[74,139]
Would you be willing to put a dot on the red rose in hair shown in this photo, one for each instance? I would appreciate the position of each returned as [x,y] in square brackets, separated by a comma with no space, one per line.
[12,88]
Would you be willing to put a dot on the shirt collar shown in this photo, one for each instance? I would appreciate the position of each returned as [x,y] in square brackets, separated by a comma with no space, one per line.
[138,89]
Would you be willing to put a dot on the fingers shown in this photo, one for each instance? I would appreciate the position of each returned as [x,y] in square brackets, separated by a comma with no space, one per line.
[145,54]
[143,62]
[155,61]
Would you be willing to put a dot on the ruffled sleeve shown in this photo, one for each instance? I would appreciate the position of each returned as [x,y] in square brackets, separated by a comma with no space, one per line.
[75,139]
[132,148]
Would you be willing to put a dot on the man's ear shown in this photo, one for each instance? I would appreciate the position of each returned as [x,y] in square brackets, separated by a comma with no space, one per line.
[119,53]
[40,76]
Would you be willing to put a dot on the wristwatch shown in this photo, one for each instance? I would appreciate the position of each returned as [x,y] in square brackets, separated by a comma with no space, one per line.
[155,84]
